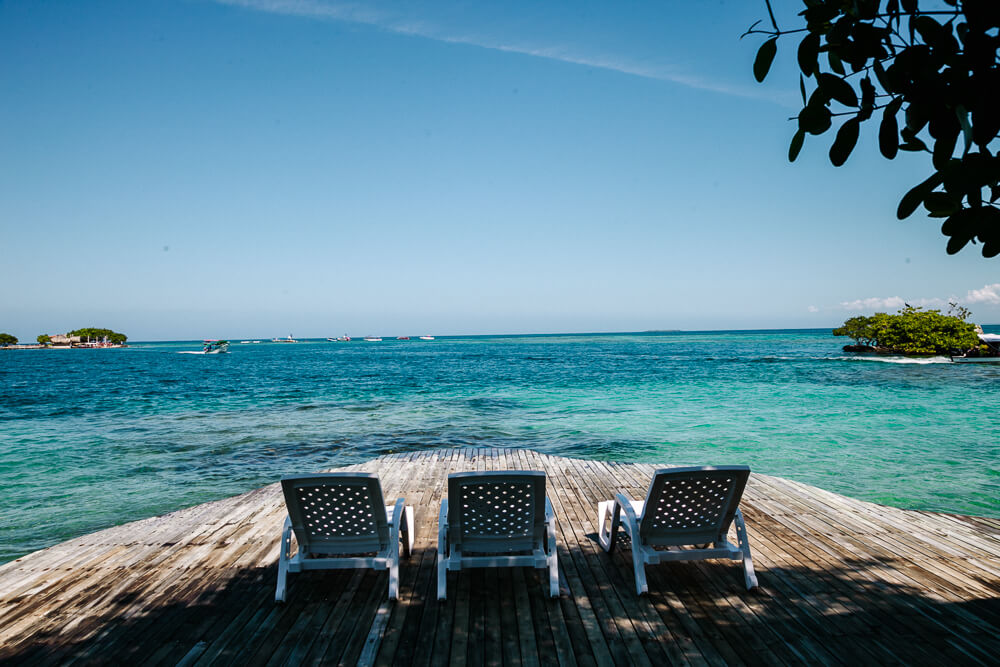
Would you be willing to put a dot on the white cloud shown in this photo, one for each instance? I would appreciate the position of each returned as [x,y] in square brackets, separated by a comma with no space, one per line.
[988,294]
[874,303]
[353,13]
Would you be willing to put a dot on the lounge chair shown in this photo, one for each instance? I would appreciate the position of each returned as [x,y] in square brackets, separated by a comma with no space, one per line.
[337,518]
[497,519]
[684,506]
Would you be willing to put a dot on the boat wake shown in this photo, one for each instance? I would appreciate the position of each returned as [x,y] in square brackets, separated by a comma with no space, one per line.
[921,361]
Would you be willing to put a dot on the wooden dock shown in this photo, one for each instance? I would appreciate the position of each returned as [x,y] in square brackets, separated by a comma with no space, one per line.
[841,582]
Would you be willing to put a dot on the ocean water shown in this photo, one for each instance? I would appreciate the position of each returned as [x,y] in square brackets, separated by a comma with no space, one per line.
[94,438]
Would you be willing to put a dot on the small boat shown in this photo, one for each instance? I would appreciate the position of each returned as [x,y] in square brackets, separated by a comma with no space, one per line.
[247,342]
[211,346]
[987,353]
[284,340]
[341,339]
[373,339]
[402,338]
[427,338]
[215,347]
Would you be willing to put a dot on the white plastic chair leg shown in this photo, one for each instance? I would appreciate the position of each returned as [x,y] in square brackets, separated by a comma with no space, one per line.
[640,571]
[553,555]
[442,557]
[284,547]
[408,531]
[394,578]
[749,576]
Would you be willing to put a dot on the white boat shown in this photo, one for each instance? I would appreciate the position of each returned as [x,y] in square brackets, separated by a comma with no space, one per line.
[427,338]
[216,347]
[339,339]
[991,355]
[373,339]
[246,342]
[211,346]
[284,340]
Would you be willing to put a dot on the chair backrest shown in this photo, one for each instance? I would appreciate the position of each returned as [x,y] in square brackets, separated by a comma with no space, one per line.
[691,505]
[337,512]
[496,511]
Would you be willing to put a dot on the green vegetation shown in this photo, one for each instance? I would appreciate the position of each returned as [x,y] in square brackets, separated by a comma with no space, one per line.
[913,331]
[44,339]
[942,64]
[92,333]
[7,339]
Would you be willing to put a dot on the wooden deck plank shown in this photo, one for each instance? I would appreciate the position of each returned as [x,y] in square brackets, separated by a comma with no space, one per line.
[842,580]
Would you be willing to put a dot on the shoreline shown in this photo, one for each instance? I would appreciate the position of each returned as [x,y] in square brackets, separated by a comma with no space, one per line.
[61,347]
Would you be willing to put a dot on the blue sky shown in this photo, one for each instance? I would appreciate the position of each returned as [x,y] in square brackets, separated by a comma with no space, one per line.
[253,168]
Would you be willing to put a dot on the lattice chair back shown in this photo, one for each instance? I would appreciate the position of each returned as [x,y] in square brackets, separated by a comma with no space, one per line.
[691,505]
[496,512]
[337,513]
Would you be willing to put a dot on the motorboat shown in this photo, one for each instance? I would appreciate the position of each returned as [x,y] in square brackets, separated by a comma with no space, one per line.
[402,338]
[340,339]
[247,342]
[215,346]
[373,339]
[988,351]
[427,338]
[211,346]
[284,340]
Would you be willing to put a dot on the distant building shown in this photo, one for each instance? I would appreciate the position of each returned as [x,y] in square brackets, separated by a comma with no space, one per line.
[62,339]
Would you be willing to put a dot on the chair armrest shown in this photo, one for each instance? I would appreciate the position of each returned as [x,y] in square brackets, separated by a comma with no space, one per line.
[286,537]
[622,501]
[629,518]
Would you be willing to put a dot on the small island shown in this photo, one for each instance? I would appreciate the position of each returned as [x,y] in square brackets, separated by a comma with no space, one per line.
[88,338]
[913,331]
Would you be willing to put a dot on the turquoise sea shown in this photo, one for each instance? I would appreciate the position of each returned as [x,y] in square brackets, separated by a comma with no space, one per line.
[94,438]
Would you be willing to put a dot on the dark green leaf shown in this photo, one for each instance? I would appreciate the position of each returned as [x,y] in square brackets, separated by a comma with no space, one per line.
[888,131]
[956,243]
[944,148]
[835,64]
[796,145]
[929,29]
[808,53]
[765,56]
[940,204]
[802,89]
[837,88]
[911,200]
[987,227]
[913,145]
[961,227]
[814,119]
[867,99]
[847,138]
[909,203]
[880,75]
[959,224]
